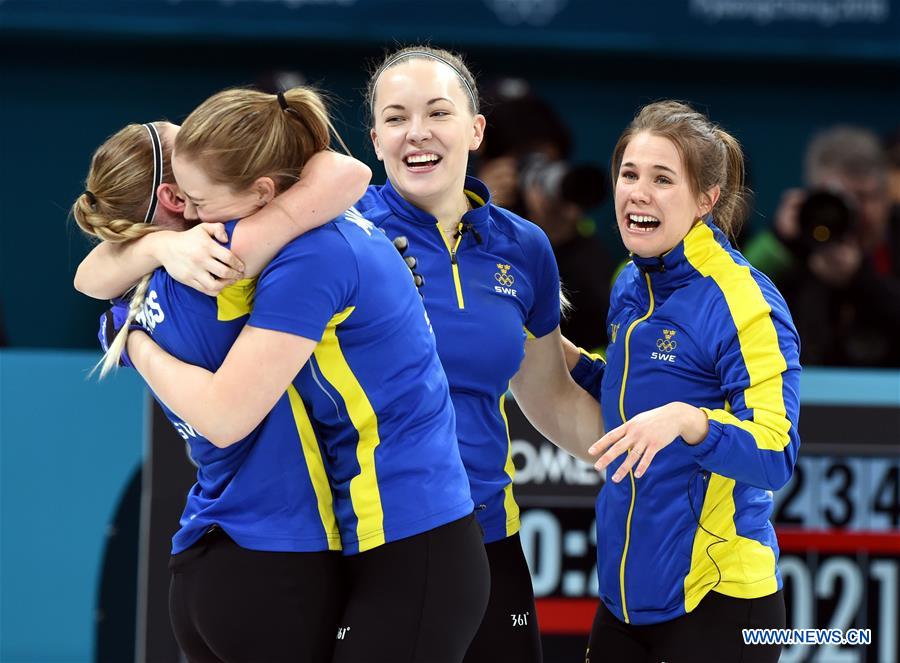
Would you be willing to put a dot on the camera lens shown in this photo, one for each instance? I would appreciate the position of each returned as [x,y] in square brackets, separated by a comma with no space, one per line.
[824,217]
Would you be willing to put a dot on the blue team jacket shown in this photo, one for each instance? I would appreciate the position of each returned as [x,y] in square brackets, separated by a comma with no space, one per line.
[377,398]
[268,491]
[485,292]
[698,325]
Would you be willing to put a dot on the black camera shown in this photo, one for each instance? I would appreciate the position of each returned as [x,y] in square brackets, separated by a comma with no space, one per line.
[824,217]
[582,184]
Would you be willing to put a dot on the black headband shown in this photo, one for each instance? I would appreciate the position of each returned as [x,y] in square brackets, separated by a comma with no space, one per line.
[157,169]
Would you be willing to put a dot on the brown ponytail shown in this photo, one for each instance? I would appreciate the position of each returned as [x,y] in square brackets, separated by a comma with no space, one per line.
[711,156]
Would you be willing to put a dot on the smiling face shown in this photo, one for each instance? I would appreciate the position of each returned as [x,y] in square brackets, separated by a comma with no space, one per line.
[424,130]
[655,207]
[212,202]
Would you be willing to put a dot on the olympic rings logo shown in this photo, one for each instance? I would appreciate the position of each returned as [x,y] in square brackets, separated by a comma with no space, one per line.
[503,276]
[666,346]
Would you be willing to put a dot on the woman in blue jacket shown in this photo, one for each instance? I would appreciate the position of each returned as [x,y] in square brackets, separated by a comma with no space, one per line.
[492,295]
[701,379]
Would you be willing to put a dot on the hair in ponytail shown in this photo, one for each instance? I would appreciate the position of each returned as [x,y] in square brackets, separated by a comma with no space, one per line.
[240,134]
[110,360]
[115,203]
[711,156]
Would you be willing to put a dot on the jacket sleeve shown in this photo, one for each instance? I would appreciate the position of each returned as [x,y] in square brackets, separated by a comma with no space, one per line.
[588,373]
[753,437]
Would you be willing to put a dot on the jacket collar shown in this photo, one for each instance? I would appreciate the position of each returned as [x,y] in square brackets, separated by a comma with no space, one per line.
[681,264]
[478,194]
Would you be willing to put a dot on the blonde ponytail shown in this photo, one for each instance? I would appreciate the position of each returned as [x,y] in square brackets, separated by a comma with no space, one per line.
[110,360]
[731,210]
[240,134]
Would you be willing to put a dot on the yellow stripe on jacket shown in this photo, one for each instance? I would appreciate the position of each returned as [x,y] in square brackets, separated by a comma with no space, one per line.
[758,339]
[364,492]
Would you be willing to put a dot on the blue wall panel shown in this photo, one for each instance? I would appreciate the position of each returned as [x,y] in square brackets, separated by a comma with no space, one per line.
[67,448]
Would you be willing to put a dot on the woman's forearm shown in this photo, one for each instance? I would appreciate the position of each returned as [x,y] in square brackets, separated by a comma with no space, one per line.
[227,405]
[189,391]
[567,416]
[330,183]
[555,405]
[111,269]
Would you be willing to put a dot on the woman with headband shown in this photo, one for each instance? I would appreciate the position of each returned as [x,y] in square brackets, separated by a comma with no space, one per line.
[492,293]
[138,214]
[335,321]
[255,575]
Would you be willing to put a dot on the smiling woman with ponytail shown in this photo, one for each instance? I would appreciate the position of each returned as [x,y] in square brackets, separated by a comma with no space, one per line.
[701,392]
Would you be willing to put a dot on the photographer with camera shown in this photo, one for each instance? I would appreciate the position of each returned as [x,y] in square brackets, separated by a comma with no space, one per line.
[839,239]
[524,162]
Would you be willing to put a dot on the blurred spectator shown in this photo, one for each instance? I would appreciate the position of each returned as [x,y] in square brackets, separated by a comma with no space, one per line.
[834,253]
[524,162]
[892,147]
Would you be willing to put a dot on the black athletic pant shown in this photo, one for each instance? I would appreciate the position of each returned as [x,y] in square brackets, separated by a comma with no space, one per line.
[509,630]
[416,600]
[230,604]
[712,632]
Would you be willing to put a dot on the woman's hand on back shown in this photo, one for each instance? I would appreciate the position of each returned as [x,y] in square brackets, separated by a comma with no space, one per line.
[197,258]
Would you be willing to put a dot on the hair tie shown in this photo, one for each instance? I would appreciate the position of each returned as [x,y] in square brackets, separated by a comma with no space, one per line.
[92,199]
[293,112]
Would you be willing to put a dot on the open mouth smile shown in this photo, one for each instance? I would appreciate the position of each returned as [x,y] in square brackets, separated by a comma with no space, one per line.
[423,162]
[642,223]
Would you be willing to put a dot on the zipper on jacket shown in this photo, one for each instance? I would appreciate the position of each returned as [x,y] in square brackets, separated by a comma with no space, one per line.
[454,265]
[630,473]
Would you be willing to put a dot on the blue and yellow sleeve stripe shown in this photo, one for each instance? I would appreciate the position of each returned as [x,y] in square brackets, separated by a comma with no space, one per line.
[761,374]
